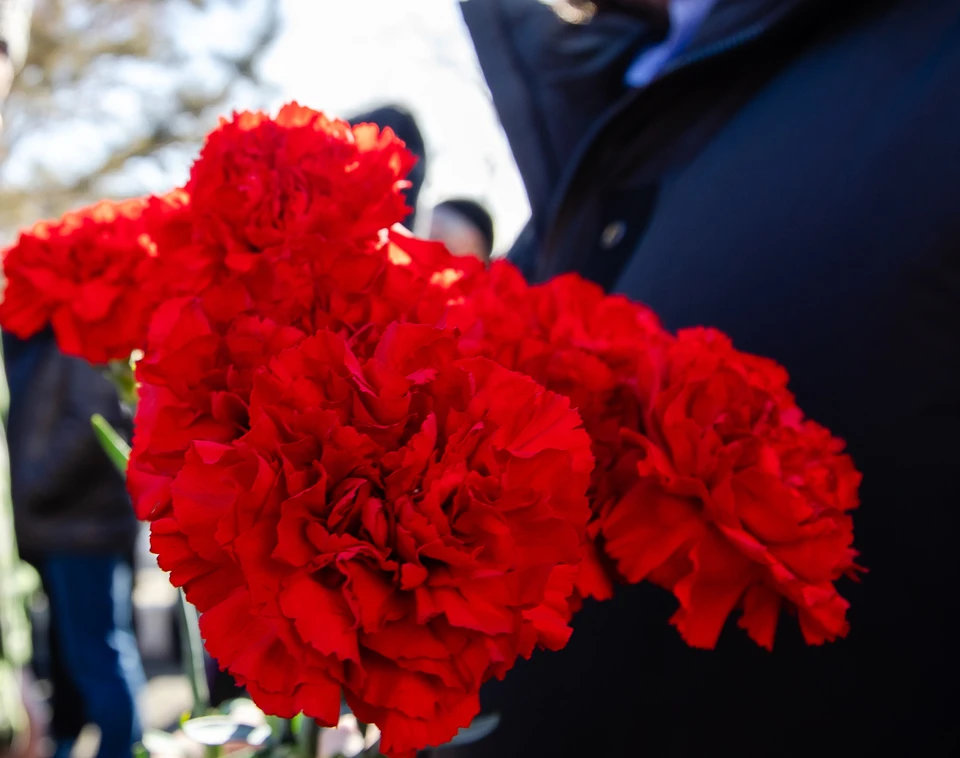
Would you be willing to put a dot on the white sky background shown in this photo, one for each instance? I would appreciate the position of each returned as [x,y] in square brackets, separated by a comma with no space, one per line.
[340,56]
[346,55]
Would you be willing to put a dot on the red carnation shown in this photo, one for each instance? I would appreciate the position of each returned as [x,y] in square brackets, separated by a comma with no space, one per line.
[85,275]
[393,528]
[189,267]
[361,496]
[285,217]
[603,352]
[263,184]
[195,384]
[202,352]
[738,503]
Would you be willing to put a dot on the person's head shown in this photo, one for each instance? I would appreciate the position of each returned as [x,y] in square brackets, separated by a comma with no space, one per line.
[464,226]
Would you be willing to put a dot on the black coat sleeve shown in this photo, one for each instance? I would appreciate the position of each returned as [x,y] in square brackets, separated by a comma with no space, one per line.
[54,451]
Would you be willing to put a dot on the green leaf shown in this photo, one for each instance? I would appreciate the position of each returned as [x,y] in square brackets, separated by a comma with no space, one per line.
[296,723]
[192,650]
[116,448]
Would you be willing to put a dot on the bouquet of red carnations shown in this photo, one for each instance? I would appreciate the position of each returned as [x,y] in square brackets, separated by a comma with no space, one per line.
[383,473]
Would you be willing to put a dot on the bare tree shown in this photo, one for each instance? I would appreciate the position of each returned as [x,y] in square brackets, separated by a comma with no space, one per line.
[117,94]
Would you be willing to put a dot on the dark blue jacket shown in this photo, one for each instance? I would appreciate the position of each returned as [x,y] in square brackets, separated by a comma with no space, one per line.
[794,180]
[67,495]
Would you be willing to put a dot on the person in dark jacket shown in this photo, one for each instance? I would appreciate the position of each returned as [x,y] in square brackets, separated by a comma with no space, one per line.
[789,172]
[75,523]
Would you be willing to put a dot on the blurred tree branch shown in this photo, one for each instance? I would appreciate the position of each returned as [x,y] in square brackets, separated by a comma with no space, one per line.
[120,70]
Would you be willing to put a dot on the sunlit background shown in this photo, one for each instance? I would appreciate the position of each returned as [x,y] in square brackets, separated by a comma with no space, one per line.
[118,93]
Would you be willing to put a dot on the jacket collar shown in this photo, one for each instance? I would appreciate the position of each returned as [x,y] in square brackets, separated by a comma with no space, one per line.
[731,22]
[730,25]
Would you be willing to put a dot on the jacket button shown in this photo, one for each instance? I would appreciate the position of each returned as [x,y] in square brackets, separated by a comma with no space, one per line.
[613,234]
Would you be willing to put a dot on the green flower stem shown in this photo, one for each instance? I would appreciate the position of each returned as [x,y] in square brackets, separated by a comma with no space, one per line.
[113,444]
[193,657]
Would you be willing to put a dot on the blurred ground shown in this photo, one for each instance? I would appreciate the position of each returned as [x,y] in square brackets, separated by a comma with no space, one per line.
[166,697]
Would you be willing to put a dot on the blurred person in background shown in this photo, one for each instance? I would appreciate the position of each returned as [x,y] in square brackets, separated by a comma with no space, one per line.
[464,226]
[74,522]
[405,126]
[20,719]
[789,172]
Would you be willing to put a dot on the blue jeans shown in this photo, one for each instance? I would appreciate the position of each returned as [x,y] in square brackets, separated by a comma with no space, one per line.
[95,654]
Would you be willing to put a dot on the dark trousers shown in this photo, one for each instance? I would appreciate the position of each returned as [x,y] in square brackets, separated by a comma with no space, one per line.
[96,666]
